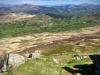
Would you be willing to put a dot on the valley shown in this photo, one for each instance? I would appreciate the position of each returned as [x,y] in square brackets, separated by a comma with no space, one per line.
[53,46]
[37,42]
[63,35]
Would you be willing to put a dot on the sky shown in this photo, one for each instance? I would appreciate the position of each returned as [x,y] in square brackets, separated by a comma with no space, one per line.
[49,2]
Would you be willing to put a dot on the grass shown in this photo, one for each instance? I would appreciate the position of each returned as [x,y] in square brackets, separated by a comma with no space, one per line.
[42,23]
[59,49]
[89,49]
[78,62]
[46,66]
[41,66]
[68,48]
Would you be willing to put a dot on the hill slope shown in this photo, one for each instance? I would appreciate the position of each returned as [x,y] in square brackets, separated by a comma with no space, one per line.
[69,9]
[11,17]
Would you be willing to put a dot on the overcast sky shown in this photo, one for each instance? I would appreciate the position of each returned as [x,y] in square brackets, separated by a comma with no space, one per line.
[49,2]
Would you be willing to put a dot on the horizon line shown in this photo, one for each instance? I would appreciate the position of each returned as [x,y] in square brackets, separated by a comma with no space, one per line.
[49,4]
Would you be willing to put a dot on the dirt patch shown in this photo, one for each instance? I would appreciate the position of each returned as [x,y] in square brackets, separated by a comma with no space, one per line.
[30,43]
[11,17]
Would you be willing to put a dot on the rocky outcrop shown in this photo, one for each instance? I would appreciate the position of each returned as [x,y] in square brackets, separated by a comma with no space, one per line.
[34,55]
[15,60]
[11,60]
[80,57]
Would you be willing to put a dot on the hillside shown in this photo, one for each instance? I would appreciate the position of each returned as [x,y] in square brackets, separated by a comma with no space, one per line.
[12,17]
[44,23]
[42,41]
[43,31]
[64,9]
[62,35]
[57,51]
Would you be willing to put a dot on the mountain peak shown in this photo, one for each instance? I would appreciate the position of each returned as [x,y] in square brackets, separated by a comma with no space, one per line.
[86,4]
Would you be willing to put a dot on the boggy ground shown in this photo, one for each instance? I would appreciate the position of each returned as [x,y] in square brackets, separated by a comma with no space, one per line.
[43,42]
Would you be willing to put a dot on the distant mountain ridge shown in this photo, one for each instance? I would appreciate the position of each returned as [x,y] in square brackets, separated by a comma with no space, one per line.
[65,9]
[6,5]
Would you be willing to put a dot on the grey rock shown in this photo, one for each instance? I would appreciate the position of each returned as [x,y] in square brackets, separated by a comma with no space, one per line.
[34,55]
[3,64]
[11,60]
[15,60]
[77,57]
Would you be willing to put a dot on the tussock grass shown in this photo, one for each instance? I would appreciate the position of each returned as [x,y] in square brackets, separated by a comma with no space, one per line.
[40,66]
[45,66]
[59,49]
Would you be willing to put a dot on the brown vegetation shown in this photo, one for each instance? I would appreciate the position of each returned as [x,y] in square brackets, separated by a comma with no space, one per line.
[31,43]
[11,17]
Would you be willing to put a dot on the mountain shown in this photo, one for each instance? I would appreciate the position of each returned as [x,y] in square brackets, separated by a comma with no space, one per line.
[65,9]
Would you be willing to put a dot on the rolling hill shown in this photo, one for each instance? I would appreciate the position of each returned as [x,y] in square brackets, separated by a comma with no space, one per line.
[59,33]
[64,9]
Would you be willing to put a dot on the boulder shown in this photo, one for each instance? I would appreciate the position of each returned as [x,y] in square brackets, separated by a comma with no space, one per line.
[34,55]
[15,60]
[55,60]
[3,64]
[11,60]
[77,57]
[78,74]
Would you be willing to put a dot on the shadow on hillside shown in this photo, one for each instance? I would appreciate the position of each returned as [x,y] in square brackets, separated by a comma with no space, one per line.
[82,69]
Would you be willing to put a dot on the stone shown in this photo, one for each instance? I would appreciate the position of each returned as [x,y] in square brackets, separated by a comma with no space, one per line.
[55,60]
[77,57]
[3,64]
[34,55]
[78,74]
[15,60]
[11,60]
[85,56]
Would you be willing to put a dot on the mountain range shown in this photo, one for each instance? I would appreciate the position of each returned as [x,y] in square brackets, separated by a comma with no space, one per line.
[65,9]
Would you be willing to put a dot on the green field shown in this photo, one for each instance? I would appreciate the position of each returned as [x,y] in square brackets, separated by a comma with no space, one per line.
[57,60]
[45,23]
[45,65]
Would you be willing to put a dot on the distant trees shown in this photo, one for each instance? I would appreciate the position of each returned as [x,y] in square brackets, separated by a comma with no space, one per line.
[44,23]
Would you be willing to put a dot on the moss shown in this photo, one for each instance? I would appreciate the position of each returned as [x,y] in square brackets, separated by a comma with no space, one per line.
[89,49]
[59,49]
[37,67]
[96,48]
[46,66]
